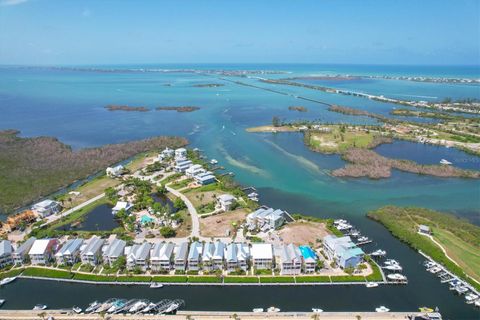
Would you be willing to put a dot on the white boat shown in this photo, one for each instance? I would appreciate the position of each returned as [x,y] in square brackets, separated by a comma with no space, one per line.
[378,253]
[396,277]
[7,280]
[393,267]
[92,306]
[149,308]
[391,262]
[2,301]
[461,289]
[477,303]
[273,309]
[445,162]
[362,239]
[434,269]
[118,304]
[156,285]
[213,161]
[77,309]
[174,306]
[139,305]
[257,310]
[471,298]
[371,284]
[317,310]
[382,309]
[40,307]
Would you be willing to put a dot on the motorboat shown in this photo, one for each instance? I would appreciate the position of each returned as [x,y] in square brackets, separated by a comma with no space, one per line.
[213,161]
[257,310]
[382,309]
[339,221]
[139,305]
[393,267]
[471,298]
[2,301]
[396,277]
[317,310]
[92,307]
[118,304]
[151,306]
[445,162]
[425,309]
[40,307]
[391,262]
[273,309]
[362,239]
[477,303]
[461,289]
[172,307]
[77,309]
[156,285]
[344,226]
[127,306]
[7,280]
[105,306]
[371,284]
[434,269]
[378,253]
[355,233]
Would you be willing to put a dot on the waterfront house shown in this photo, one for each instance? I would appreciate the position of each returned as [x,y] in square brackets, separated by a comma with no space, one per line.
[92,252]
[42,251]
[6,251]
[46,208]
[309,259]
[193,170]
[161,257]
[114,172]
[69,253]
[205,178]
[207,256]
[122,205]
[195,255]
[166,153]
[243,255]
[266,218]
[290,260]
[138,256]
[262,256]
[180,154]
[182,165]
[20,255]
[226,201]
[423,229]
[218,255]
[181,252]
[231,259]
[114,250]
[343,251]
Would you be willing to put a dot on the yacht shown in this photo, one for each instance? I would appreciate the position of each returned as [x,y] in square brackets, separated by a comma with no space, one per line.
[471,298]
[139,305]
[371,284]
[425,309]
[92,307]
[382,309]
[7,280]
[461,289]
[434,269]
[273,309]
[118,304]
[396,277]
[317,310]
[151,306]
[257,310]
[156,285]
[362,239]
[445,162]
[105,306]
[2,301]
[77,309]
[477,303]
[355,233]
[393,267]
[127,306]
[40,307]
[390,262]
[378,253]
[174,306]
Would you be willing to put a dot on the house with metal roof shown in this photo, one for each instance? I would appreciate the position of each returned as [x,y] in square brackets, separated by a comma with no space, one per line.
[226,201]
[207,255]
[46,208]
[195,255]
[343,251]
[218,255]
[6,251]
[42,251]
[92,252]
[138,256]
[115,171]
[180,154]
[194,169]
[69,253]
[21,253]
[290,259]
[262,256]
[231,259]
[243,255]
[205,178]
[309,259]
[113,250]
[181,252]
[161,257]
[182,165]
[266,218]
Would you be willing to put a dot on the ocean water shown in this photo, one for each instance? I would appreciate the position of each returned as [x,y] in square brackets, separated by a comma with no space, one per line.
[70,105]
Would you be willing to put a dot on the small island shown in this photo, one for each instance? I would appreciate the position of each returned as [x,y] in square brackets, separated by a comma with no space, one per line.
[178,109]
[298,108]
[208,85]
[126,108]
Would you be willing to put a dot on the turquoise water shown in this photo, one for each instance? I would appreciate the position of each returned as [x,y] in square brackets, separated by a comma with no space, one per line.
[70,105]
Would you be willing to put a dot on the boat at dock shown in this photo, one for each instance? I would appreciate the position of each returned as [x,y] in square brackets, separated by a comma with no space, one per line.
[382,309]
[434,269]
[378,253]
[362,239]
[393,267]
[77,309]
[118,304]
[257,310]
[139,305]
[2,301]
[92,307]
[396,277]
[156,285]
[174,306]
[371,284]
[391,262]
[213,161]
[425,309]
[273,309]
[7,280]
[105,306]
[40,307]
[151,306]
[471,298]
[317,310]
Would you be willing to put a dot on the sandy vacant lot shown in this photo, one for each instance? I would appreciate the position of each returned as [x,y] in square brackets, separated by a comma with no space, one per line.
[302,233]
[216,225]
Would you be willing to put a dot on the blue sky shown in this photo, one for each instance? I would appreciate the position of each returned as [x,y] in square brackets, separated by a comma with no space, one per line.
[321,31]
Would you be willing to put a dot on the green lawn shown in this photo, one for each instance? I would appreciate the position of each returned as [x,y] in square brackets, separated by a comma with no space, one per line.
[94,277]
[134,279]
[47,273]
[204,279]
[10,273]
[277,279]
[240,280]
[167,279]
[305,279]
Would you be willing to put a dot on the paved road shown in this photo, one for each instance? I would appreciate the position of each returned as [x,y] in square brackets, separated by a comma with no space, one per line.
[191,209]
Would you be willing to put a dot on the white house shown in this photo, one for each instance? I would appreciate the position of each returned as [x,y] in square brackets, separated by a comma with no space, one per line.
[290,259]
[69,253]
[262,255]
[266,218]
[193,170]
[182,165]
[423,229]
[195,255]
[181,253]
[46,208]
[204,178]
[138,256]
[20,255]
[218,255]
[42,251]
[207,256]
[166,153]
[226,201]
[92,252]
[161,257]
[309,259]
[125,205]
[343,251]
[180,154]
[6,251]
[113,251]
[116,171]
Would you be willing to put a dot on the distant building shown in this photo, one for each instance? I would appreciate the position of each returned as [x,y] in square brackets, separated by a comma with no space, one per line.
[343,251]
[205,178]
[195,255]
[290,259]
[6,251]
[42,251]
[114,172]
[46,208]
[92,252]
[194,170]
[226,201]
[423,229]
[262,256]
[122,205]
[161,257]
[182,165]
[20,255]
[114,250]
[181,256]
[69,253]
[266,218]
[309,259]
[166,153]
[180,154]
[138,256]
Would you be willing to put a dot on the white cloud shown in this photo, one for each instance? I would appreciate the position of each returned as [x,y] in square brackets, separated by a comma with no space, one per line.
[5,3]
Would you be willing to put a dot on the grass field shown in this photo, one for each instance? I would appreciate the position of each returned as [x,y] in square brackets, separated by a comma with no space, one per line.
[338,140]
